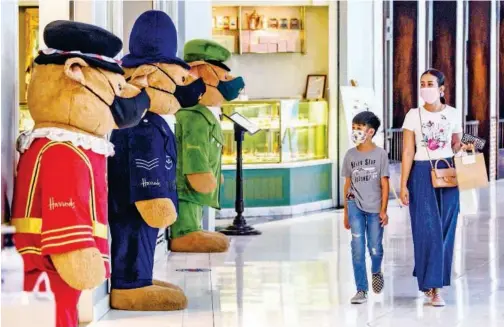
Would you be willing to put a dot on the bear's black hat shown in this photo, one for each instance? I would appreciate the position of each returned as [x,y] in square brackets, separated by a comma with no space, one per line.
[67,39]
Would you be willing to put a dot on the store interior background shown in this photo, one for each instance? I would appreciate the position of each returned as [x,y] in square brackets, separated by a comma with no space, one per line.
[383,45]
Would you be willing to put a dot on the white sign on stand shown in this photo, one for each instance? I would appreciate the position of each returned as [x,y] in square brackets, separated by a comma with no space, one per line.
[355,99]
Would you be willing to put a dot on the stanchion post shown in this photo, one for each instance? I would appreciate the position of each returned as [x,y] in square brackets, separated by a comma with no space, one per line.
[239,226]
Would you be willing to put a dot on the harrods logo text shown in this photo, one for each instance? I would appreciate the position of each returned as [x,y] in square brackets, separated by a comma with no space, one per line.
[146,183]
[61,204]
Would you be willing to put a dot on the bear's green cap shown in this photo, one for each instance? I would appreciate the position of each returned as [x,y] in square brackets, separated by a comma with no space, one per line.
[205,50]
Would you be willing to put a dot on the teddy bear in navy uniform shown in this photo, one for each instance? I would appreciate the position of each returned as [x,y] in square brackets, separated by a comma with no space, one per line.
[142,175]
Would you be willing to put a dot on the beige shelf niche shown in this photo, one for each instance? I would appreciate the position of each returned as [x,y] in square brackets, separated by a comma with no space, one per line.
[260,30]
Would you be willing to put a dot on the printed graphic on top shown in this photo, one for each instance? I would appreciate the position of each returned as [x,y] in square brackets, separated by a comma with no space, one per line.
[436,135]
[361,172]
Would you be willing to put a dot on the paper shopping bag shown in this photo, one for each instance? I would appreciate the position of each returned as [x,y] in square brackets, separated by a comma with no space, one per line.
[22,309]
[471,171]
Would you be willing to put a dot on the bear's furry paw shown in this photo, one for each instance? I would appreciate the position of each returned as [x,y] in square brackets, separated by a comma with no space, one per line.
[200,242]
[161,283]
[157,213]
[203,182]
[81,269]
[149,298]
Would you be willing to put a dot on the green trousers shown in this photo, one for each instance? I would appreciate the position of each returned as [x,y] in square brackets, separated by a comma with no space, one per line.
[189,219]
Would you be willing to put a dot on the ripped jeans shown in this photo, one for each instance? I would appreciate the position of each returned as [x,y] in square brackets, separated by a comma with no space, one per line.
[365,225]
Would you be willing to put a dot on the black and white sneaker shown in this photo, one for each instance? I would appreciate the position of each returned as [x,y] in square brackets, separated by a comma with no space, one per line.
[378,282]
[359,298]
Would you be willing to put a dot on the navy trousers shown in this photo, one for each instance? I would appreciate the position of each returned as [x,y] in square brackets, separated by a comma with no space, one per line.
[434,214]
[133,246]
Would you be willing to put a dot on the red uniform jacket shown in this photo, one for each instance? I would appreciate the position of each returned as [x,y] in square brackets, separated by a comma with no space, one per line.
[60,203]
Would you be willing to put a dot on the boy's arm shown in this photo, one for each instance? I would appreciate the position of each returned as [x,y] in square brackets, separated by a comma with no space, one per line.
[385,173]
[346,172]
[346,188]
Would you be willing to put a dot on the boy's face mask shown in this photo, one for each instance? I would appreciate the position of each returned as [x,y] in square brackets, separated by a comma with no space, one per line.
[360,136]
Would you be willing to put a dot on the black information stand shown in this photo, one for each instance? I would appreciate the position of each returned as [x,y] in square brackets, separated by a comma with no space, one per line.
[239,226]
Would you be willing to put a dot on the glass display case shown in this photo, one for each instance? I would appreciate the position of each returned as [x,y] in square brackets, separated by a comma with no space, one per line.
[26,122]
[28,50]
[291,130]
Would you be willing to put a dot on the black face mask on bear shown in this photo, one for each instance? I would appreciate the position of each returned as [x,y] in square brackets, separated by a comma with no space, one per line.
[186,95]
[231,89]
[127,112]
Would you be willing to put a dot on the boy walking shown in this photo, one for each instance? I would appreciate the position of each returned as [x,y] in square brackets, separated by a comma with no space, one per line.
[366,172]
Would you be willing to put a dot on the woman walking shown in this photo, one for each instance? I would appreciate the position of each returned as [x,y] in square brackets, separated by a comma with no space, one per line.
[434,130]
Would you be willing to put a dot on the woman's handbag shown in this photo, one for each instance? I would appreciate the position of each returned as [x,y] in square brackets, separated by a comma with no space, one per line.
[444,177]
[441,177]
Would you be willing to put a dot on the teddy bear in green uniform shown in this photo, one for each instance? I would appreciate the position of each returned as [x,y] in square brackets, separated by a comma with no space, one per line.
[199,145]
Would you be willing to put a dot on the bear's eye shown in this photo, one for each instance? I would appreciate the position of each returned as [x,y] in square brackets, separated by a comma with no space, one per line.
[183,79]
[119,86]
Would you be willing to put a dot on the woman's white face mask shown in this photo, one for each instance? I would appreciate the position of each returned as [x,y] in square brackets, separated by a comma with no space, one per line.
[430,94]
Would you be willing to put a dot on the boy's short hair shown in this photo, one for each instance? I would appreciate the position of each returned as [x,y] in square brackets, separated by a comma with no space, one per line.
[368,119]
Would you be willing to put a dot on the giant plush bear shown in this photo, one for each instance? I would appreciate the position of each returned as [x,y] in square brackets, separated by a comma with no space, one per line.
[143,194]
[60,196]
[199,144]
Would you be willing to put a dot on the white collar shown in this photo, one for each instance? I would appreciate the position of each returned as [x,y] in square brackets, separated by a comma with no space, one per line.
[216,111]
[99,145]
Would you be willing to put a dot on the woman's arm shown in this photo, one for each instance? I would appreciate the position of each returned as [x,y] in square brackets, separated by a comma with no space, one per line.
[456,142]
[407,156]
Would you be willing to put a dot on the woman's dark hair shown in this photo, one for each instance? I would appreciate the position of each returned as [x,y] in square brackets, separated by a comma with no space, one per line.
[440,79]
[367,118]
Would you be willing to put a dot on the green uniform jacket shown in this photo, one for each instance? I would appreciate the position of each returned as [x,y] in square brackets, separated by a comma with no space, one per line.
[199,150]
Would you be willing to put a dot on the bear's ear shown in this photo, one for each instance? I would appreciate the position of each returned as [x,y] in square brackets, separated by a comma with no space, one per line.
[197,63]
[207,74]
[139,78]
[73,69]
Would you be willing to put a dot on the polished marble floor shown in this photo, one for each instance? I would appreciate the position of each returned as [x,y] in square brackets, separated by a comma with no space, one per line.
[299,274]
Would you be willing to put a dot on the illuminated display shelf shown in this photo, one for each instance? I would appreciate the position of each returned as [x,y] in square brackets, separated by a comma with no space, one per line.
[291,131]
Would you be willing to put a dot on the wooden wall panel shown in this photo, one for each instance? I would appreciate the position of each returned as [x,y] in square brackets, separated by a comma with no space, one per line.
[444,44]
[501,61]
[405,59]
[478,64]
[500,111]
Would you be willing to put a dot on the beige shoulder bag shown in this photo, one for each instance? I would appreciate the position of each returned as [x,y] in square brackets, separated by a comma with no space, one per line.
[444,177]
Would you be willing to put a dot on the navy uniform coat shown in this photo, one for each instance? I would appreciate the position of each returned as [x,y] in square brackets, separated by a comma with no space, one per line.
[143,168]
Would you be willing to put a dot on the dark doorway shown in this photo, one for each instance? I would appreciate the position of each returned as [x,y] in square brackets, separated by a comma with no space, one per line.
[405,59]
[500,128]
[478,69]
[443,48]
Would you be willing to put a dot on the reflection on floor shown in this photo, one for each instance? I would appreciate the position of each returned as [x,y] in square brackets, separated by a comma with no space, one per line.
[298,273]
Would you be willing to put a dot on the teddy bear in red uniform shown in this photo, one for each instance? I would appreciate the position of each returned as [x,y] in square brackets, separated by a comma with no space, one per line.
[76,96]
